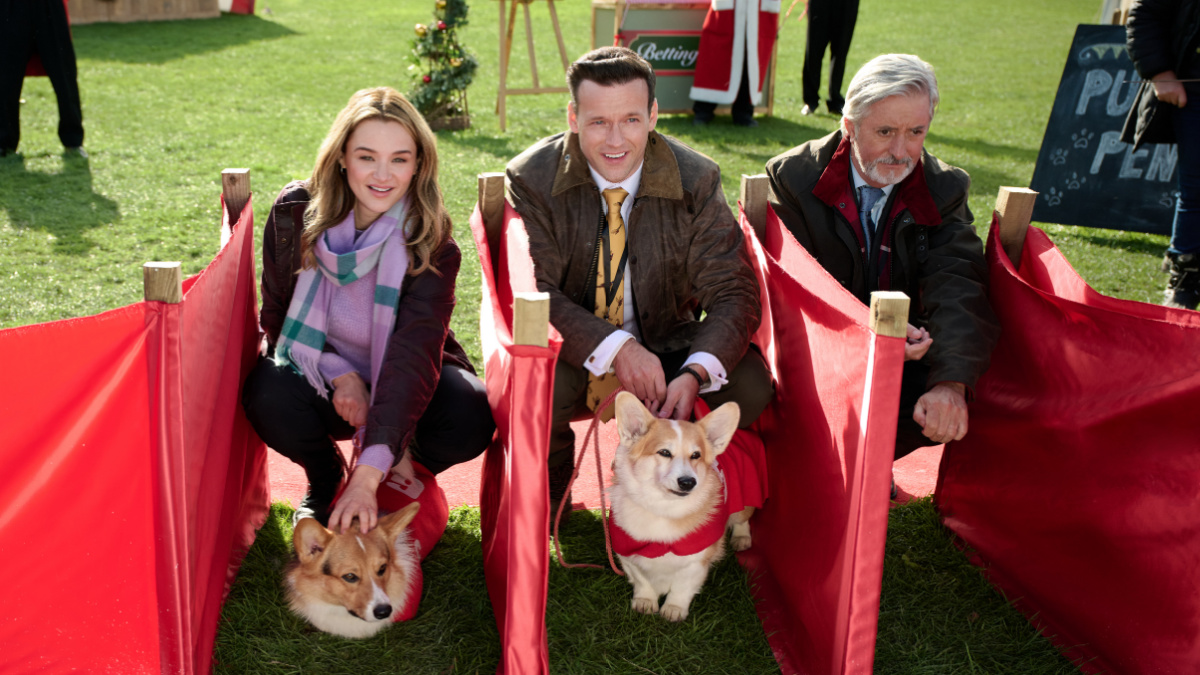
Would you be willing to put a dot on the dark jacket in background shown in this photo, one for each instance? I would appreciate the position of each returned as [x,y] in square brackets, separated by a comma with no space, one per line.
[422,341]
[686,251]
[1161,35]
[937,259]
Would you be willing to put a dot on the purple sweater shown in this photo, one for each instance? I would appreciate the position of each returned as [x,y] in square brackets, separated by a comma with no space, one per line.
[348,331]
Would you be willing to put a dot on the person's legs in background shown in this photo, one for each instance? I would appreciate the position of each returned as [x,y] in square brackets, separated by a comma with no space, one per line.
[16,46]
[1183,256]
[53,39]
[841,31]
[819,12]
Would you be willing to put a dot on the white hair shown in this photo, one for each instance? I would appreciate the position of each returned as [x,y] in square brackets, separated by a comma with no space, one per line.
[889,75]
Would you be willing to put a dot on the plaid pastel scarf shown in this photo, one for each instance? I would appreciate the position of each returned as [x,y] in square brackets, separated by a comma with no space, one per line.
[340,261]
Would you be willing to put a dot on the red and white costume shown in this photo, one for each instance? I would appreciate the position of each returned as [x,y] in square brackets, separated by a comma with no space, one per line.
[730,26]
[743,471]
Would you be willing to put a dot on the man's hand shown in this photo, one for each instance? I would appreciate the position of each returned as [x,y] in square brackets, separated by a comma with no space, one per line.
[942,412]
[1168,89]
[918,343]
[641,373]
[358,499]
[350,398]
[681,394]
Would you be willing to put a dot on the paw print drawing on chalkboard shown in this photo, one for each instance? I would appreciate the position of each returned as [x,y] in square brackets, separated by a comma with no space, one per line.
[1058,157]
[1081,139]
[1168,198]
[1075,182]
[1053,197]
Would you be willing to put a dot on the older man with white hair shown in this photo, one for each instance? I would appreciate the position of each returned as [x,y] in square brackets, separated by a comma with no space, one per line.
[881,213]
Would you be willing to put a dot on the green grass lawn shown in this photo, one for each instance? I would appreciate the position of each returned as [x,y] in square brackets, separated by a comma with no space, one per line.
[167,106]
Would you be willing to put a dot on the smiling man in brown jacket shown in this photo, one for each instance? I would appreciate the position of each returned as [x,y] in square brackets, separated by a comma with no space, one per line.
[881,213]
[649,278]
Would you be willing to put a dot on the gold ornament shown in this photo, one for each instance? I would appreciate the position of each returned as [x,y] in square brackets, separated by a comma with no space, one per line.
[441,4]
[421,30]
[456,62]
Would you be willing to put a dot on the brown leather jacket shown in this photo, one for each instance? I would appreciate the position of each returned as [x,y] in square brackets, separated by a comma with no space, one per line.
[937,258]
[686,251]
[421,344]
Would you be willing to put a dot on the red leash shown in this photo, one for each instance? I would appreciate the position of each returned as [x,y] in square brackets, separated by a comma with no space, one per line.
[604,510]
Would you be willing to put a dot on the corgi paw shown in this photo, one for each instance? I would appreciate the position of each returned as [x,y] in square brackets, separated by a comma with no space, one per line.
[740,543]
[674,613]
[645,606]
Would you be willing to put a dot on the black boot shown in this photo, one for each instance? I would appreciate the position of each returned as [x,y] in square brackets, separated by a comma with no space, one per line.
[324,481]
[1183,290]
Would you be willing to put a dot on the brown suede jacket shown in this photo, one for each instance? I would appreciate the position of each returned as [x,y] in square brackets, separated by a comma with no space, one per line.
[937,258]
[686,251]
[420,345]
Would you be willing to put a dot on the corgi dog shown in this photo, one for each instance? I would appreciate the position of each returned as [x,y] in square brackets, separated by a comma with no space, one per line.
[669,514]
[354,584]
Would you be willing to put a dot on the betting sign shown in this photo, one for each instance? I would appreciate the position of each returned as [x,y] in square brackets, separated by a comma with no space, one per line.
[1085,174]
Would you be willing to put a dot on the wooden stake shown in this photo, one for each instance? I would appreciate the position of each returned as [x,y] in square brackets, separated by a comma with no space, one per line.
[1014,206]
[531,318]
[754,201]
[491,206]
[235,185]
[162,282]
[889,313]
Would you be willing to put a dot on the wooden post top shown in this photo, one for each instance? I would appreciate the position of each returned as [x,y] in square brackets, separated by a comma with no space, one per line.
[531,318]
[889,313]
[754,201]
[1014,206]
[162,282]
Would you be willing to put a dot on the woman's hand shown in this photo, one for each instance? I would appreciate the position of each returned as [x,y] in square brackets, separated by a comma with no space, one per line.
[350,398]
[358,500]
[1168,89]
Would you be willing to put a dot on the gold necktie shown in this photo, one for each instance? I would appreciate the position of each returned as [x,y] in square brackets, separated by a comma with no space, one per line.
[608,267]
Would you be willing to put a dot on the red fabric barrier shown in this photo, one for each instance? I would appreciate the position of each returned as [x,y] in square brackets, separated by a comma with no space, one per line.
[129,469]
[514,499]
[1078,485]
[242,7]
[817,559]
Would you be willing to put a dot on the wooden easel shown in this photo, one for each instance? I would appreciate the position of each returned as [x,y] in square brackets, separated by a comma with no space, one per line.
[507,24]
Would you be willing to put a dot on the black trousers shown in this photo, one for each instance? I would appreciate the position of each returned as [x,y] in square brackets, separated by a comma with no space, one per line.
[913,385]
[301,425]
[830,24]
[742,110]
[749,385]
[26,27]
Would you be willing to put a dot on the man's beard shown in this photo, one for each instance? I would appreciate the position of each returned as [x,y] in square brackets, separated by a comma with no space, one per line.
[871,169]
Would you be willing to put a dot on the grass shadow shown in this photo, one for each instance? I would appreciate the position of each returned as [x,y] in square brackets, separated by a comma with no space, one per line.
[1142,243]
[163,41]
[64,204]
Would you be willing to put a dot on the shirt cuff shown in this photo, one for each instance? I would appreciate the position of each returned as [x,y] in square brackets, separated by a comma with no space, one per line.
[333,366]
[378,456]
[599,362]
[716,372]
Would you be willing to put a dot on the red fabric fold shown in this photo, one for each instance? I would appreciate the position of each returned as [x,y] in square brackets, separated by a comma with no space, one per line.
[128,463]
[514,499]
[1078,485]
[817,558]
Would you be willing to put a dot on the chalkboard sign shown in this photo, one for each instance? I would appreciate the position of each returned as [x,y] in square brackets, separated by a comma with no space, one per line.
[1085,174]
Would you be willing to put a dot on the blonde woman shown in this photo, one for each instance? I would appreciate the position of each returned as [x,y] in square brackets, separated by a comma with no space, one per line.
[358,288]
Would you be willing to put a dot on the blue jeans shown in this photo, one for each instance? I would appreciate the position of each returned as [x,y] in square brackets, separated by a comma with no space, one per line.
[1185,232]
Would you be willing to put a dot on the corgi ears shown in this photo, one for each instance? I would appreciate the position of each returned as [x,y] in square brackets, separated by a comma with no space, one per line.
[718,426]
[394,523]
[310,539]
[633,420]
